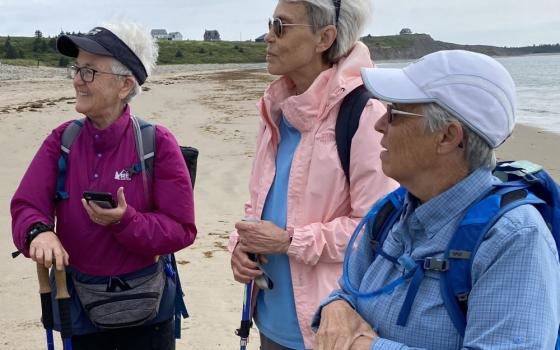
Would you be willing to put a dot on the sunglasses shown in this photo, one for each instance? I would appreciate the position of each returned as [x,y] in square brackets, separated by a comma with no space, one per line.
[392,112]
[276,25]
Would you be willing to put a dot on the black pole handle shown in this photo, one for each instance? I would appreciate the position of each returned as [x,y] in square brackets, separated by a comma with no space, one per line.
[63,299]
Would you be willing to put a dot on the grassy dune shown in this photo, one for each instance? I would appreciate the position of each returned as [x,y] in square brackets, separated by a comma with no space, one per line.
[28,51]
[171,52]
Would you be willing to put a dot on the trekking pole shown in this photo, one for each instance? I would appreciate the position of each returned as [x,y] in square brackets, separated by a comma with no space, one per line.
[46,304]
[63,299]
[245,327]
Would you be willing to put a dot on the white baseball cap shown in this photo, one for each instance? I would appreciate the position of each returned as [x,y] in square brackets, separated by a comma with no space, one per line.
[475,88]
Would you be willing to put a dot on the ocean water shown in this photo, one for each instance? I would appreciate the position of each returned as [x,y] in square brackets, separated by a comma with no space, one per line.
[537,78]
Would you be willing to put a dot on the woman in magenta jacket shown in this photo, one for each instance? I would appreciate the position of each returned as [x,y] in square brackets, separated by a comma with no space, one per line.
[305,207]
[151,218]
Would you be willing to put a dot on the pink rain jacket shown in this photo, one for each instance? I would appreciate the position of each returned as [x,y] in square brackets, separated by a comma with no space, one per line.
[323,209]
[156,223]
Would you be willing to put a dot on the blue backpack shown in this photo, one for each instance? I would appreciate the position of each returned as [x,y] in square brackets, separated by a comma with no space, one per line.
[523,183]
[145,145]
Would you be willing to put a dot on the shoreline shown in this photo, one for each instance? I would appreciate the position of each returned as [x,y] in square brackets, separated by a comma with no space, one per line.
[17,75]
[214,112]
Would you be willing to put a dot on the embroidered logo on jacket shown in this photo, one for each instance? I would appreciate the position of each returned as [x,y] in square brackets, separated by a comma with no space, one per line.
[122,175]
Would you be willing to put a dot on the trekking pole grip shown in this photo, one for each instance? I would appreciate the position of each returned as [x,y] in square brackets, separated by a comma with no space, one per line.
[46,303]
[63,299]
[45,292]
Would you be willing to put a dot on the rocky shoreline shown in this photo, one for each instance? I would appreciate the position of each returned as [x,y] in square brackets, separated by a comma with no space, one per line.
[10,72]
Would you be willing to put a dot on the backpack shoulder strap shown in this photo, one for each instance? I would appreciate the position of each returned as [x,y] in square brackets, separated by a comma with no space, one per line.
[144,135]
[388,212]
[455,282]
[347,123]
[377,223]
[69,135]
[542,185]
[66,140]
[145,138]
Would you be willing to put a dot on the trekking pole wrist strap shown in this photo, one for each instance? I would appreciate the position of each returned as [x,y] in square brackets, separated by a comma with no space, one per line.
[35,230]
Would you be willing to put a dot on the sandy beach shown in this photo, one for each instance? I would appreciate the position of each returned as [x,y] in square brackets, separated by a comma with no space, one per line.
[209,107]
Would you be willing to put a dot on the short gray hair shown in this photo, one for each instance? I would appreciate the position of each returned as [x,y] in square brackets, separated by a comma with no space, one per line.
[140,41]
[118,68]
[478,153]
[353,17]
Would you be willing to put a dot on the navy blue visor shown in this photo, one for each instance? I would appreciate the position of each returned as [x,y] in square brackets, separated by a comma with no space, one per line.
[101,41]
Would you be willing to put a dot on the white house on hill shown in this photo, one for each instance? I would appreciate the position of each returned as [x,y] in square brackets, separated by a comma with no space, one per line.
[161,34]
[175,36]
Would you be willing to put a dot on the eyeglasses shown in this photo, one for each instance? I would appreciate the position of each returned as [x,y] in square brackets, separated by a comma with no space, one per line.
[87,74]
[278,27]
[392,112]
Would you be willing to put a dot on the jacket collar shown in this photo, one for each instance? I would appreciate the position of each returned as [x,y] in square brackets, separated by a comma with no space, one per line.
[109,137]
[445,207]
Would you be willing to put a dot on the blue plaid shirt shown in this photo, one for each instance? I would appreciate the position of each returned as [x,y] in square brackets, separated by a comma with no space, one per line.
[514,302]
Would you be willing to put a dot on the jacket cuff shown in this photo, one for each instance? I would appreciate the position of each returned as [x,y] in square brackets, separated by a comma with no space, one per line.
[233,239]
[125,220]
[297,246]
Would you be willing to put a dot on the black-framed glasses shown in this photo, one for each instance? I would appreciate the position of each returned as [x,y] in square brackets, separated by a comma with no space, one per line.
[87,74]
[277,26]
[392,112]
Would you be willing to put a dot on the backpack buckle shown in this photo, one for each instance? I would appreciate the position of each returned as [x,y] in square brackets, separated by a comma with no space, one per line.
[529,177]
[436,264]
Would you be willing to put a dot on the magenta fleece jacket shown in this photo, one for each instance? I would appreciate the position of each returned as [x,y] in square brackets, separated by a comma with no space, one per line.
[159,219]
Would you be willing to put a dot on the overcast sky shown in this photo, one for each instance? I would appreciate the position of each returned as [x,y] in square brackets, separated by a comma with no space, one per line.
[491,22]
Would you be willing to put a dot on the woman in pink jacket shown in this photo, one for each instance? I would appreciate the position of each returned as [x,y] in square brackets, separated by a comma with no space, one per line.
[306,208]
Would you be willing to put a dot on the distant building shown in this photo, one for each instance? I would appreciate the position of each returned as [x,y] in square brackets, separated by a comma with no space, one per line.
[260,39]
[175,36]
[405,31]
[161,34]
[211,35]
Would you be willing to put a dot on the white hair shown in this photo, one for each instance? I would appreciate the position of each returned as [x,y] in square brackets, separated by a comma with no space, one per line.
[352,19]
[140,41]
[477,152]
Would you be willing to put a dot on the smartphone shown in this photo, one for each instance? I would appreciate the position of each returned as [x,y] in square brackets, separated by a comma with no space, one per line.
[103,199]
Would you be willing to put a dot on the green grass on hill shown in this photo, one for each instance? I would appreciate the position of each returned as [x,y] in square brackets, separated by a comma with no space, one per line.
[23,48]
[177,52]
[32,51]
[29,51]
[393,41]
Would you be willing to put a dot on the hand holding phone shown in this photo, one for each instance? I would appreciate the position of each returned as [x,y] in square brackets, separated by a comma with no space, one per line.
[103,199]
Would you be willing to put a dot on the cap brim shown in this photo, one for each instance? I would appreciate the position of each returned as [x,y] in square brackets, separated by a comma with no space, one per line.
[392,85]
[69,45]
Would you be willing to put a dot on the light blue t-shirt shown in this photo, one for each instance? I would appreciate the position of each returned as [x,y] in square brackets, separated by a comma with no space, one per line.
[276,313]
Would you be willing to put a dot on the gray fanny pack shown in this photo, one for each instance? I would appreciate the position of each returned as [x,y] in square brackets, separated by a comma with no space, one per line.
[121,301]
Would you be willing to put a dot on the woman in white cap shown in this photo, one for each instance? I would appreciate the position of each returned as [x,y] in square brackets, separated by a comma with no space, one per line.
[306,204]
[454,259]
[110,243]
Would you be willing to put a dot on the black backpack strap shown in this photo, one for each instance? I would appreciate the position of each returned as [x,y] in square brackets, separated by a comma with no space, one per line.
[347,123]
[66,140]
